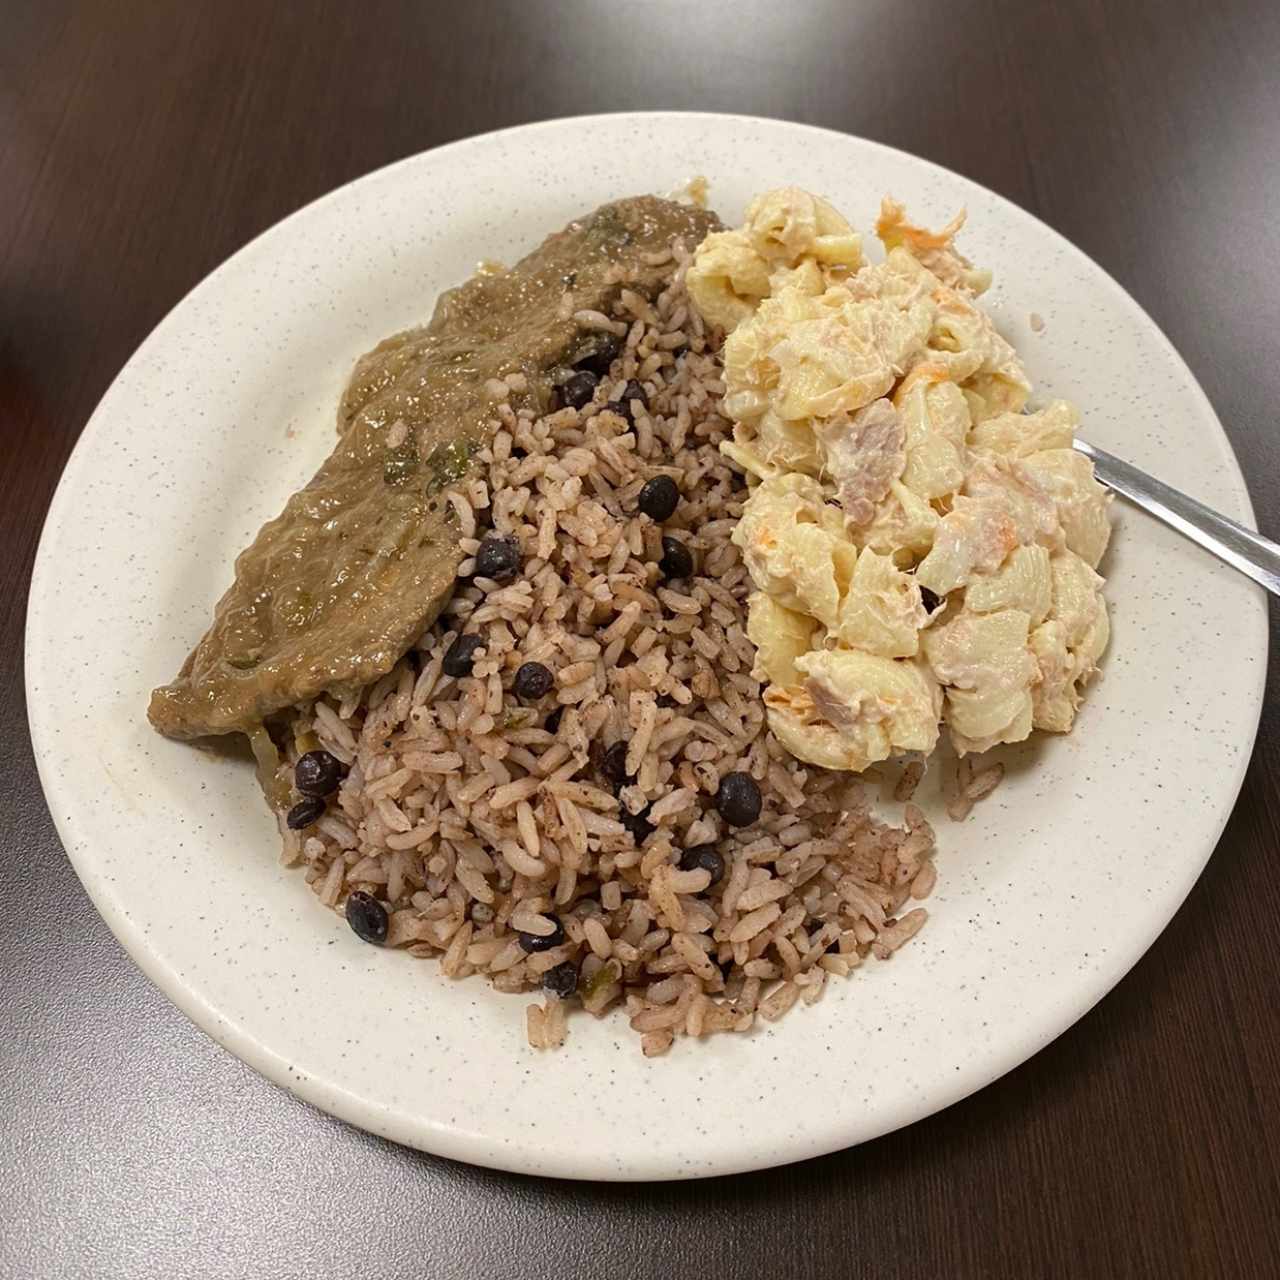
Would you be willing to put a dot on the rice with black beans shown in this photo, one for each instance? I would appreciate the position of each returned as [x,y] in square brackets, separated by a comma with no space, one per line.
[472,815]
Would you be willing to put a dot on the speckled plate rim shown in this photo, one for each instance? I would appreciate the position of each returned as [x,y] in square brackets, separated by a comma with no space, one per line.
[718,1147]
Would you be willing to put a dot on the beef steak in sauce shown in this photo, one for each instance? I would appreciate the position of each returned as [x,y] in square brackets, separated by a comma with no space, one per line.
[334,590]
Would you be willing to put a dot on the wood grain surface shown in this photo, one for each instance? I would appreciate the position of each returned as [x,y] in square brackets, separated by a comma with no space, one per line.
[141,142]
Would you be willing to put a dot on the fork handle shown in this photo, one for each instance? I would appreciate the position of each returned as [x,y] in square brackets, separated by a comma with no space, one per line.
[1251,553]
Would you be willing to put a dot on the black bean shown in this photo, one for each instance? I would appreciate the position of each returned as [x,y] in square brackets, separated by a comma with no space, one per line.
[676,562]
[552,723]
[530,942]
[367,916]
[637,823]
[614,765]
[533,681]
[705,857]
[659,498]
[318,773]
[578,389]
[929,600]
[622,406]
[304,813]
[461,655]
[738,799]
[561,981]
[600,354]
[497,558]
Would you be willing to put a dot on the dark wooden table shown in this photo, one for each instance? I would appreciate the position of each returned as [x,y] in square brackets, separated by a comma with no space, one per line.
[141,142]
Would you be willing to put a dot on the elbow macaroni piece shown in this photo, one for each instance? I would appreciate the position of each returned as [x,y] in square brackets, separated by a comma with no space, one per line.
[961,328]
[1023,581]
[904,526]
[855,708]
[1067,646]
[729,280]
[1067,478]
[1016,435]
[935,419]
[881,613]
[989,668]
[780,636]
[787,231]
[794,547]
[790,225]
[979,651]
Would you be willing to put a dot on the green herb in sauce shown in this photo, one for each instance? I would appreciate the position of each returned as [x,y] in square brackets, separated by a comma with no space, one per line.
[448,463]
[610,971]
[400,466]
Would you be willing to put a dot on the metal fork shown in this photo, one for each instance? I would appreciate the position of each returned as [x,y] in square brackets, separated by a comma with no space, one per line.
[1251,553]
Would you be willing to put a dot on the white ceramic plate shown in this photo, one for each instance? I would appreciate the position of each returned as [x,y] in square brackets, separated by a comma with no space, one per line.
[1047,895]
